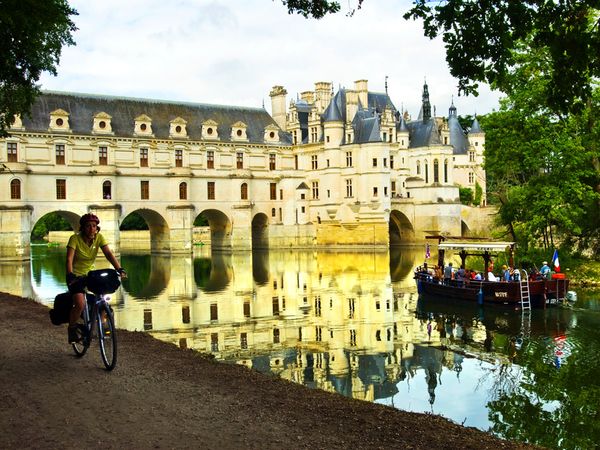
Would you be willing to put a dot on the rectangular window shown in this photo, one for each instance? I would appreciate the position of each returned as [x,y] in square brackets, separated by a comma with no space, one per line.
[144,189]
[178,157]
[147,319]
[244,341]
[471,156]
[315,190]
[275,335]
[348,159]
[143,157]
[471,177]
[393,188]
[185,314]
[239,160]
[314,162]
[214,311]
[375,192]
[349,188]
[214,342]
[102,156]
[210,159]
[11,148]
[273,191]
[210,188]
[275,306]
[60,154]
[374,162]
[384,162]
[272,161]
[246,309]
[391,161]
[296,162]
[61,189]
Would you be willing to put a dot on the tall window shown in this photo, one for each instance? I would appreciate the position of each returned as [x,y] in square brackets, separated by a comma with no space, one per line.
[391,161]
[296,162]
[349,188]
[143,157]
[107,190]
[393,189]
[426,166]
[374,162]
[436,171]
[210,189]
[471,156]
[314,162]
[272,165]
[244,191]
[61,189]
[210,159]
[445,171]
[144,189]
[315,189]
[239,158]
[273,191]
[15,189]
[418,168]
[178,157]
[348,159]
[102,156]
[11,148]
[183,191]
[60,154]
[471,177]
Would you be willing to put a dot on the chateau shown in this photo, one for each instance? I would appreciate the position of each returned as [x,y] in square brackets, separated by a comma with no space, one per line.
[343,168]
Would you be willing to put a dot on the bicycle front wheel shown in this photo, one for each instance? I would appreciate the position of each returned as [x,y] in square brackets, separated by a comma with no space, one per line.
[107,336]
[83,343]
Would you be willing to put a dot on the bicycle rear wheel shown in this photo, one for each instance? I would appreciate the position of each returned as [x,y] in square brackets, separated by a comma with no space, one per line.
[81,346]
[107,336]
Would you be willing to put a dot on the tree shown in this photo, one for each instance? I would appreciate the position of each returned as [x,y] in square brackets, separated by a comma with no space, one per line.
[482,36]
[32,34]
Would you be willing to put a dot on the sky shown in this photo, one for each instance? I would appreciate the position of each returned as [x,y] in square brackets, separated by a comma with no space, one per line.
[232,52]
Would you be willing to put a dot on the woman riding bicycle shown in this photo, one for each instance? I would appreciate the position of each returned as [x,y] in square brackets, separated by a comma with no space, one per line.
[82,249]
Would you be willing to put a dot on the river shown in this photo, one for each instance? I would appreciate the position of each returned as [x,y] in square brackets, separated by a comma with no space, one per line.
[353,323]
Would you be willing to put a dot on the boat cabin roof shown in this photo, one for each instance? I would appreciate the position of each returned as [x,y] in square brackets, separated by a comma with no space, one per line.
[481,246]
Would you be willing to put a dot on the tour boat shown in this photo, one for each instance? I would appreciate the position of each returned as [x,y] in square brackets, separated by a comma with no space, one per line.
[532,290]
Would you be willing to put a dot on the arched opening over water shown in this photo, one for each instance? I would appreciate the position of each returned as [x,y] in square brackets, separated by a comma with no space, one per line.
[54,221]
[464,229]
[156,224]
[400,228]
[220,228]
[260,231]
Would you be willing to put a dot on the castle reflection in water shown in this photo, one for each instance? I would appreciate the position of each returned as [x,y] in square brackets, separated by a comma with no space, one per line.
[342,322]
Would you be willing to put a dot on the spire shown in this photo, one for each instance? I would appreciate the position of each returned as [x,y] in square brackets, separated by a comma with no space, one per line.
[475,127]
[426,106]
[386,85]
[452,110]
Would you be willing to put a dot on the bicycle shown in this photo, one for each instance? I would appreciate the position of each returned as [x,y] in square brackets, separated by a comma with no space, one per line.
[97,317]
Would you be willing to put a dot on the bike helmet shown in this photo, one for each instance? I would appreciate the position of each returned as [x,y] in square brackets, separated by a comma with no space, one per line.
[89,217]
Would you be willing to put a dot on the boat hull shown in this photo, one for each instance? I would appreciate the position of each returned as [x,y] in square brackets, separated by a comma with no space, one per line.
[542,292]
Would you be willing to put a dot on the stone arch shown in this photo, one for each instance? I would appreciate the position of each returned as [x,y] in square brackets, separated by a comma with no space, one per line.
[464,229]
[260,231]
[400,228]
[70,216]
[159,230]
[220,228]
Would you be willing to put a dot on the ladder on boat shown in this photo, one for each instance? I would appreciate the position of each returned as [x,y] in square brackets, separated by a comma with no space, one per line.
[525,294]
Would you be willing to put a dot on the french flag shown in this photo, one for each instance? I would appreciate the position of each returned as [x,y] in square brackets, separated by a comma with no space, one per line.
[555,261]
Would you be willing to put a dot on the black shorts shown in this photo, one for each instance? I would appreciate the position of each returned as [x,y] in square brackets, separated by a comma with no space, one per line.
[77,287]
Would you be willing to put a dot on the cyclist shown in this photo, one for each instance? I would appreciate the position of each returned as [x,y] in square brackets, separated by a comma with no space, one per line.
[82,249]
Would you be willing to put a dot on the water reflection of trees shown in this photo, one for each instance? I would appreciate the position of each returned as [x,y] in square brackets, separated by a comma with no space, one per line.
[147,275]
[213,274]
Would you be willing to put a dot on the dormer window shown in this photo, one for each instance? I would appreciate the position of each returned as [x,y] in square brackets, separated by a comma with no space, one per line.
[143,126]
[271,133]
[59,121]
[102,124]
[17,124]
[209,130]
[178,128]
[238,132]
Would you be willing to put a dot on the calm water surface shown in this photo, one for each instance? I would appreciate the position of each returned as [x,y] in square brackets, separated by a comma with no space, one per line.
[353,323]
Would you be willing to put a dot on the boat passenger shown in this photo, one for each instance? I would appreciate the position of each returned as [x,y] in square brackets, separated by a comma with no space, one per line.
[477,276]
[491,276]
[505,273]
[448,273]
[545,270]
[516,275]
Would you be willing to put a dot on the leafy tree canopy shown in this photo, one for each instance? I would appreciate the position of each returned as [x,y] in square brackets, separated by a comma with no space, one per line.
[32,34]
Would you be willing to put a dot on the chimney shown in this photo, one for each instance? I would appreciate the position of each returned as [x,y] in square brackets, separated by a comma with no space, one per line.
[278,106]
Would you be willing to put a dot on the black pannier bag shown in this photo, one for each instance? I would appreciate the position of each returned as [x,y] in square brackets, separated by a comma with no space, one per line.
[104,281]
[63,303]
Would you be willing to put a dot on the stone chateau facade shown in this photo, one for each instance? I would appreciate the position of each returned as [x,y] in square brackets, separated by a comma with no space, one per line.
[343,168]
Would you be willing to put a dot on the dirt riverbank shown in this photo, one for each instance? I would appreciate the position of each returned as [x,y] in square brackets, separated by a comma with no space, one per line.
[160,396]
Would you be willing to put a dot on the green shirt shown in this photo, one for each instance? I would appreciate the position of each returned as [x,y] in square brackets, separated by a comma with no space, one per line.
[85,255]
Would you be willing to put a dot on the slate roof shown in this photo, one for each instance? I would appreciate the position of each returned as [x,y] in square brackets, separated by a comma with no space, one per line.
[458,138]
[366,126]
[423,134]
[83,107]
